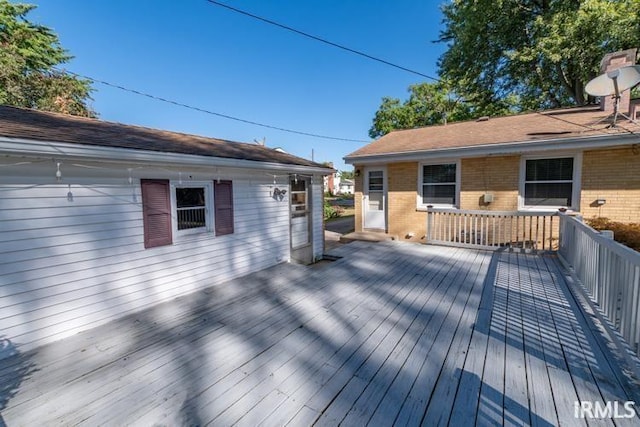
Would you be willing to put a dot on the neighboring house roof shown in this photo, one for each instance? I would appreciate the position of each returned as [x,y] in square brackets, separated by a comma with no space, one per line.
[29,124]
[346,182]
[553,128]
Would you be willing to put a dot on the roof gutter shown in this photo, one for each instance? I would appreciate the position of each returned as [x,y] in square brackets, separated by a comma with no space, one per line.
[523,147]
[59,150]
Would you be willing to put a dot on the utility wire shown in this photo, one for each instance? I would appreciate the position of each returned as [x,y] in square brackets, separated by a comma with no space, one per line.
[550,116]
[213,113]
[320,39]
[587,126]
[363,54]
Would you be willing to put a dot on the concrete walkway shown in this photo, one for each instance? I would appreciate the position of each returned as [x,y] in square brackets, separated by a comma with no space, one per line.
[341,225]
[335,229]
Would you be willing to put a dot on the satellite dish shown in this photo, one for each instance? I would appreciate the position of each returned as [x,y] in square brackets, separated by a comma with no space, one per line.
[605,84]
[612,83]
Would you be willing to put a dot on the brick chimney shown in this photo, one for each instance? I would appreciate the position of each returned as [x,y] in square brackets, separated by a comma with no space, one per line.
[610,62]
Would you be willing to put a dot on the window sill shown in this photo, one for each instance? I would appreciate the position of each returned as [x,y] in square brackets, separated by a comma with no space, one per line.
[423,208]
[546,209]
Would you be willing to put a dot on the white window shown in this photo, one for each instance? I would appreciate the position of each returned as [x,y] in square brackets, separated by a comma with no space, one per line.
[550,182]
[191,207]
[439,184]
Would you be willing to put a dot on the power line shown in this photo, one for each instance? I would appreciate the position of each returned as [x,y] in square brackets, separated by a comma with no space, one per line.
[363,54]
[587,126]
[213,113]
[550,116]
[320,39]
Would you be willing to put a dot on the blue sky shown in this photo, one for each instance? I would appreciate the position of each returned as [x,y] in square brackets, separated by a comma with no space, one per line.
[203,55]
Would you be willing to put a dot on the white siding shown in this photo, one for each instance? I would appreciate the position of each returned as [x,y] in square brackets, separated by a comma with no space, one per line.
[67,266]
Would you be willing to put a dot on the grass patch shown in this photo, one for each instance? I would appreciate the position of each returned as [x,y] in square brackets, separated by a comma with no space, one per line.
[331,211]
[334,208]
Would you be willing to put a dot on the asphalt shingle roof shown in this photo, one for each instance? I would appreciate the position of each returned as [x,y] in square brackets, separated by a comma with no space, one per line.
[575,122]
[45,126]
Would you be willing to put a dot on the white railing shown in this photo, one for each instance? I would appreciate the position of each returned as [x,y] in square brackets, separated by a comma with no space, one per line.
[609,272]
[530,231]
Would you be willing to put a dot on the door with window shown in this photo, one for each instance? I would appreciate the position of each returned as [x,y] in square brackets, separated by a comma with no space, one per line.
[300,217]
[375,198]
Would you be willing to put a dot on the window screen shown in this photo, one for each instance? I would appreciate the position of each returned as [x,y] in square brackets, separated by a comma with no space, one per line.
[439,184]
[549,182]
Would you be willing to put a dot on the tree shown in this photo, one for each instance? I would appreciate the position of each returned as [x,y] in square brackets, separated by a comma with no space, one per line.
[347,174]
[29,55]
[532,54]
[428,104]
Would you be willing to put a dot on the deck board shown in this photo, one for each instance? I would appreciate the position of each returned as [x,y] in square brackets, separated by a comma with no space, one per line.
[379,374]
[391,333]
[382,397]
[516,407]
[542,410]
[442,328]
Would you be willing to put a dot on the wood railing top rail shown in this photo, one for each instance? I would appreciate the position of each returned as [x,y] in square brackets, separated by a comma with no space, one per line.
[617,248]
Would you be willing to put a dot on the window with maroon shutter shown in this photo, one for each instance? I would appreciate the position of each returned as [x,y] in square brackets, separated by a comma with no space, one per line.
[156,212]
[223,200]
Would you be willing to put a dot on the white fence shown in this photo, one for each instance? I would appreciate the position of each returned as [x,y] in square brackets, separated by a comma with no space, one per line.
[610,273]
[493,229]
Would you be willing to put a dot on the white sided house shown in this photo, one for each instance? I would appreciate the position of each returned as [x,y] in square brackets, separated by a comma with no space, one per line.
[99,220]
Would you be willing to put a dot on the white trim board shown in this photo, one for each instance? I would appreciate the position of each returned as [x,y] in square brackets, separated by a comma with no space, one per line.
[576,184]
[52,149]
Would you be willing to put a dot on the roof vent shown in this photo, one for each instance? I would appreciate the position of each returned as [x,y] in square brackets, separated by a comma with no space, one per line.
[482,119]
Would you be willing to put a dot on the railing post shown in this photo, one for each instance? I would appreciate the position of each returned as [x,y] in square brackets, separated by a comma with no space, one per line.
[429,223]
[562,224]
[608,234]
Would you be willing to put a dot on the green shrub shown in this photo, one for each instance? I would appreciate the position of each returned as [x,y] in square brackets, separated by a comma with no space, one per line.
[331,211]
[627,234]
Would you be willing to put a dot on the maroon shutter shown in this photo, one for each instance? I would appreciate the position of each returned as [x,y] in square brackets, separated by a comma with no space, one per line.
[156,212]
[223,200]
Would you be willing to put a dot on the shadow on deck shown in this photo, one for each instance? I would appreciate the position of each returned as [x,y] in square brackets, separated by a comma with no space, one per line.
[391,333]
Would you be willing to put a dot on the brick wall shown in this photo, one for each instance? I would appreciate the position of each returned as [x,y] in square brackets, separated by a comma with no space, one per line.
[495,175]
[403,216]
[358,183]
[614,175]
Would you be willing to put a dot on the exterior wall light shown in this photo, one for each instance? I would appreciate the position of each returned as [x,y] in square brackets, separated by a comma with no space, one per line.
[278,194]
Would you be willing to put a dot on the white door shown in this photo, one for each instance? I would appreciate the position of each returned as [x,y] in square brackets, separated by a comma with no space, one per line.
[300,210]
[300,235]
[374,199]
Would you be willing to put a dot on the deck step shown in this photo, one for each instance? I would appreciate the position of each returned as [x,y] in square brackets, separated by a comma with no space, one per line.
[368,236]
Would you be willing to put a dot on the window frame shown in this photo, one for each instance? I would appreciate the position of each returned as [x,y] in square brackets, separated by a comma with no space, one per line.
[208,213]
[420,197]
[576,181]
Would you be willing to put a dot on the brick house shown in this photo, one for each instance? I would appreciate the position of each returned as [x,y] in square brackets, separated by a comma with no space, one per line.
[567,158]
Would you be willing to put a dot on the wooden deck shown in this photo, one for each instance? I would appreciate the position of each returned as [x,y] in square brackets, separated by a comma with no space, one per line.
[392,333]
